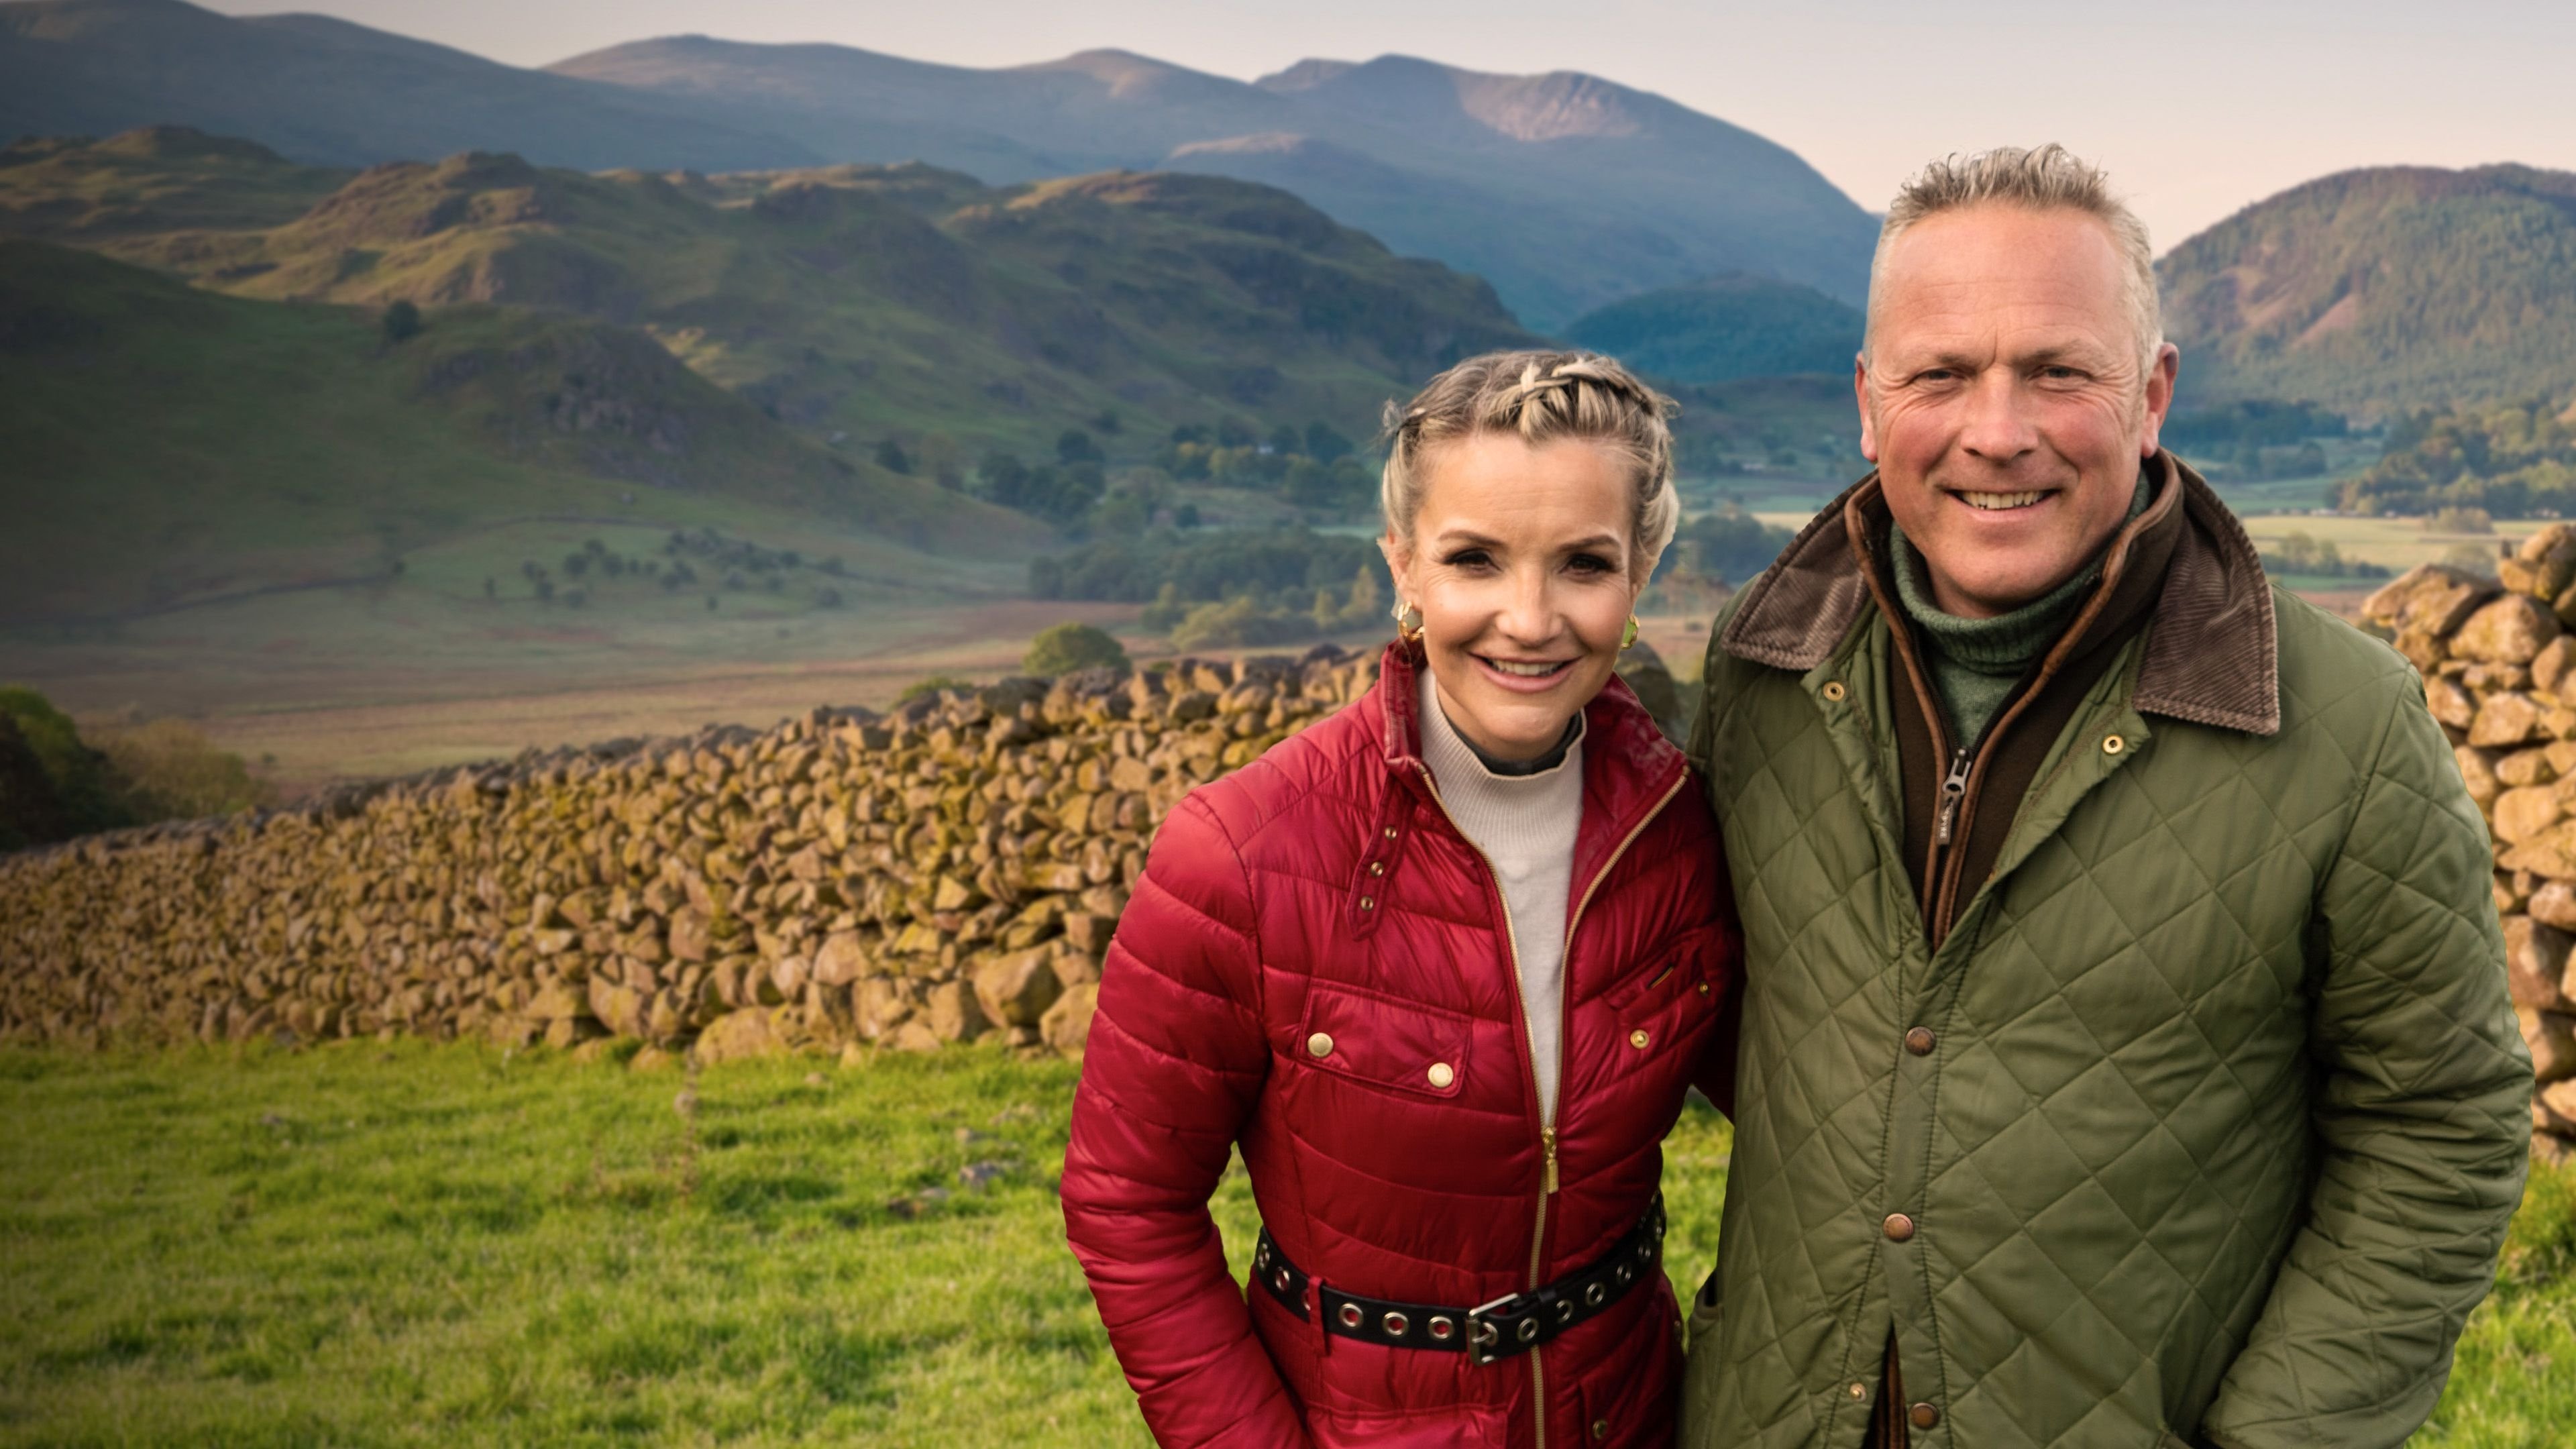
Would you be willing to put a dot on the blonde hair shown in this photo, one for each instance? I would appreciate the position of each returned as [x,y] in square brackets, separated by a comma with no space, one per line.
[1541,396]
[2044,178]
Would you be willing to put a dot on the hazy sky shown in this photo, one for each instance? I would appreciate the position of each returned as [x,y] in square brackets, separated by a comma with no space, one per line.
[2197,107]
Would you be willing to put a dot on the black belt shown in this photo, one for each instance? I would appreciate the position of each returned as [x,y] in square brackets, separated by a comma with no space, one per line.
[1511,1324]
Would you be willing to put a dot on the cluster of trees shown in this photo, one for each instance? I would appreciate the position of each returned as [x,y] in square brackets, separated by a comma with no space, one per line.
[1317,469]
[691,558]
[2256,439]
[55,785]
[1228,589]
[2313,558]
[2513,461]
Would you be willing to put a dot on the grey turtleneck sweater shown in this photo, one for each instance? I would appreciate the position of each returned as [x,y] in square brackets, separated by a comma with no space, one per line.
[1525,825]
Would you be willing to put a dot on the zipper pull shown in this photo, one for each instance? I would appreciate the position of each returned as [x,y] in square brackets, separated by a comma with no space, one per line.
[1954,788]
[1547,1144]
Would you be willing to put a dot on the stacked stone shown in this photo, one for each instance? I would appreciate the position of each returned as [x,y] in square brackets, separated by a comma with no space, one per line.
[2499,663]
[945,871]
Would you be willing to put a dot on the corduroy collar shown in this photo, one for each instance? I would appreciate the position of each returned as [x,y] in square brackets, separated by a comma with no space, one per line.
[2212,653]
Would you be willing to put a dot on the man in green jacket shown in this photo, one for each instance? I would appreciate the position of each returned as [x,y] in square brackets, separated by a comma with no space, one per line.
[2125,1056]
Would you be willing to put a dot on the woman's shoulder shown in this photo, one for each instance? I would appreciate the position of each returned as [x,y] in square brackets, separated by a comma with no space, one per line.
[1302,788]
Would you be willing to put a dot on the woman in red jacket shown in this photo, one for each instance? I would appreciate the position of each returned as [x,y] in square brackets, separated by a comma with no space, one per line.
[1443,966]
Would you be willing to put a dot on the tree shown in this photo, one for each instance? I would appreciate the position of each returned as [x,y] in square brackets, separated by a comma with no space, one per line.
[401,323]
[892,458]
[1073,445]
[1324,442]
[1069,647]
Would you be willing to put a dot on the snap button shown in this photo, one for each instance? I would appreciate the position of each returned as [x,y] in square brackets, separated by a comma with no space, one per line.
[1600,1428]
[1923,1416]
[1638,1038]
[1390,832]
[1899,1227]
[1441,1075]
[1834,690]
[1368,903]
[1920,1041]
[1377,867]
[2113,744]
[1320,1044]
[1860,1391]
[1703,988]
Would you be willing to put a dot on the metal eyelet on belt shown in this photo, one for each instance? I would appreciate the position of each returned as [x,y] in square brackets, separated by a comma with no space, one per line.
[1350,1315]
[1528,1329]
[1395,1324]
[1442,1326]
[1593,1296]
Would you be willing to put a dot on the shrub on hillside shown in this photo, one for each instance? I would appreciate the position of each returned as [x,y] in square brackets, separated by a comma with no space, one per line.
[401,322]
[170,771]
[85,787]
[1070,648]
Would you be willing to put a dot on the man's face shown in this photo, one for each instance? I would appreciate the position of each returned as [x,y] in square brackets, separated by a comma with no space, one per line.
[2006,400]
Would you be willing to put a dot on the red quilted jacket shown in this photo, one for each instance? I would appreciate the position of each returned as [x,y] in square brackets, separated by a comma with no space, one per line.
[1323,888]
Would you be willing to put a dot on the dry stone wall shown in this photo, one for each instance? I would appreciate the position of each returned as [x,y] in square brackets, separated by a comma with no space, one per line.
[2498,658]
[948,870]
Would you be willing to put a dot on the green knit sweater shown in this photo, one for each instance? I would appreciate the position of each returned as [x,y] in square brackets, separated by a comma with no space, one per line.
[1976,662]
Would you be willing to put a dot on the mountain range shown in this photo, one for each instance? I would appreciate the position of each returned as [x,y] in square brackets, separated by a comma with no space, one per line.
[2383,290]
[863,301]
[1564,190]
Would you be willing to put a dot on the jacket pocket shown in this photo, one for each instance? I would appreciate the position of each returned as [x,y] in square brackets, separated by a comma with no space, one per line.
[1402,1046]
[1673,998]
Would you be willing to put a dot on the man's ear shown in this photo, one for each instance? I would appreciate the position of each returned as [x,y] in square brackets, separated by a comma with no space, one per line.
[1860,399]
[2160,395]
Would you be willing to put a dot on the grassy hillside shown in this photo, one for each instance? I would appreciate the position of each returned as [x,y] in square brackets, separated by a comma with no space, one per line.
[857,302]
[330,92]
[2380,291]
[390,1244]
[167,445]
[1723,328]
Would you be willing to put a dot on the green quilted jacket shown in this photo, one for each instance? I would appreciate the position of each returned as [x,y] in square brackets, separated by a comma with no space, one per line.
[2203,1122]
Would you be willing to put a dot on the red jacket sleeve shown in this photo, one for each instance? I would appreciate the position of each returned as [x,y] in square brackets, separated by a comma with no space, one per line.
[1172,1068]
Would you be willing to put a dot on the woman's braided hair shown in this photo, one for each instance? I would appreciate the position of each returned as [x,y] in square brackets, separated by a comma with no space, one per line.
[1542,396]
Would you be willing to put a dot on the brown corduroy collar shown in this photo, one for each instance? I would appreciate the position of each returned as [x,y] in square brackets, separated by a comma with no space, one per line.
[2212,656]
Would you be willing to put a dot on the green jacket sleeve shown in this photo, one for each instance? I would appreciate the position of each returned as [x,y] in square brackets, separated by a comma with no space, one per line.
[2422,1121]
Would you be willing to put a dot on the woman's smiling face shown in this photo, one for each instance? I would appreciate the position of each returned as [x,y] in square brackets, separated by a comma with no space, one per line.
[1523,563]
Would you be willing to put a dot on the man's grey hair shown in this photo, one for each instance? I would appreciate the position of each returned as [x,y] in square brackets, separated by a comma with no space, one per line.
[2044,178]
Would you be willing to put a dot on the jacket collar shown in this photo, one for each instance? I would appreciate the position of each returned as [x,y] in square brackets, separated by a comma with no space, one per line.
[2212,655]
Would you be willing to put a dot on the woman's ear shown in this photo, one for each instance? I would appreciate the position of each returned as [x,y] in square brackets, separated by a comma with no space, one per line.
[1399,566]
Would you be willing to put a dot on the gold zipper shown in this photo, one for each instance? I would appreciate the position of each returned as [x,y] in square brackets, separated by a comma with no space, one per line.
[1547,1115]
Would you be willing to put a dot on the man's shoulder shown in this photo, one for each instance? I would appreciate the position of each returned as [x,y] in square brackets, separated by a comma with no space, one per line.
[2332,674]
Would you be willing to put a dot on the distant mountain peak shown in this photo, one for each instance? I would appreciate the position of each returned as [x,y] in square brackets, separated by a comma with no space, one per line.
[1305,75]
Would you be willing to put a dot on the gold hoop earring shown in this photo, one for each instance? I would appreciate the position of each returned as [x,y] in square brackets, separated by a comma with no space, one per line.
[1628,635]
[1408,624]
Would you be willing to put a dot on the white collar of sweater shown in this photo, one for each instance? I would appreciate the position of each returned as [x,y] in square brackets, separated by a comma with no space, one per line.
[1456,766]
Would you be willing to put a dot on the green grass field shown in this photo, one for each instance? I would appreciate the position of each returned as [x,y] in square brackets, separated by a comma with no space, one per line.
[448,1244]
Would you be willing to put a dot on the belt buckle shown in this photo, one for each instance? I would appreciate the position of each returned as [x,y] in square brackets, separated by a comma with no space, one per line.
[1508,1325]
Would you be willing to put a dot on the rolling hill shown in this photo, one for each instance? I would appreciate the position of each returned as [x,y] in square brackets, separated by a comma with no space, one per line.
[1566,191]
[1725,327]
[328,92]
[865,302]
[2383,290]
[296,446]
